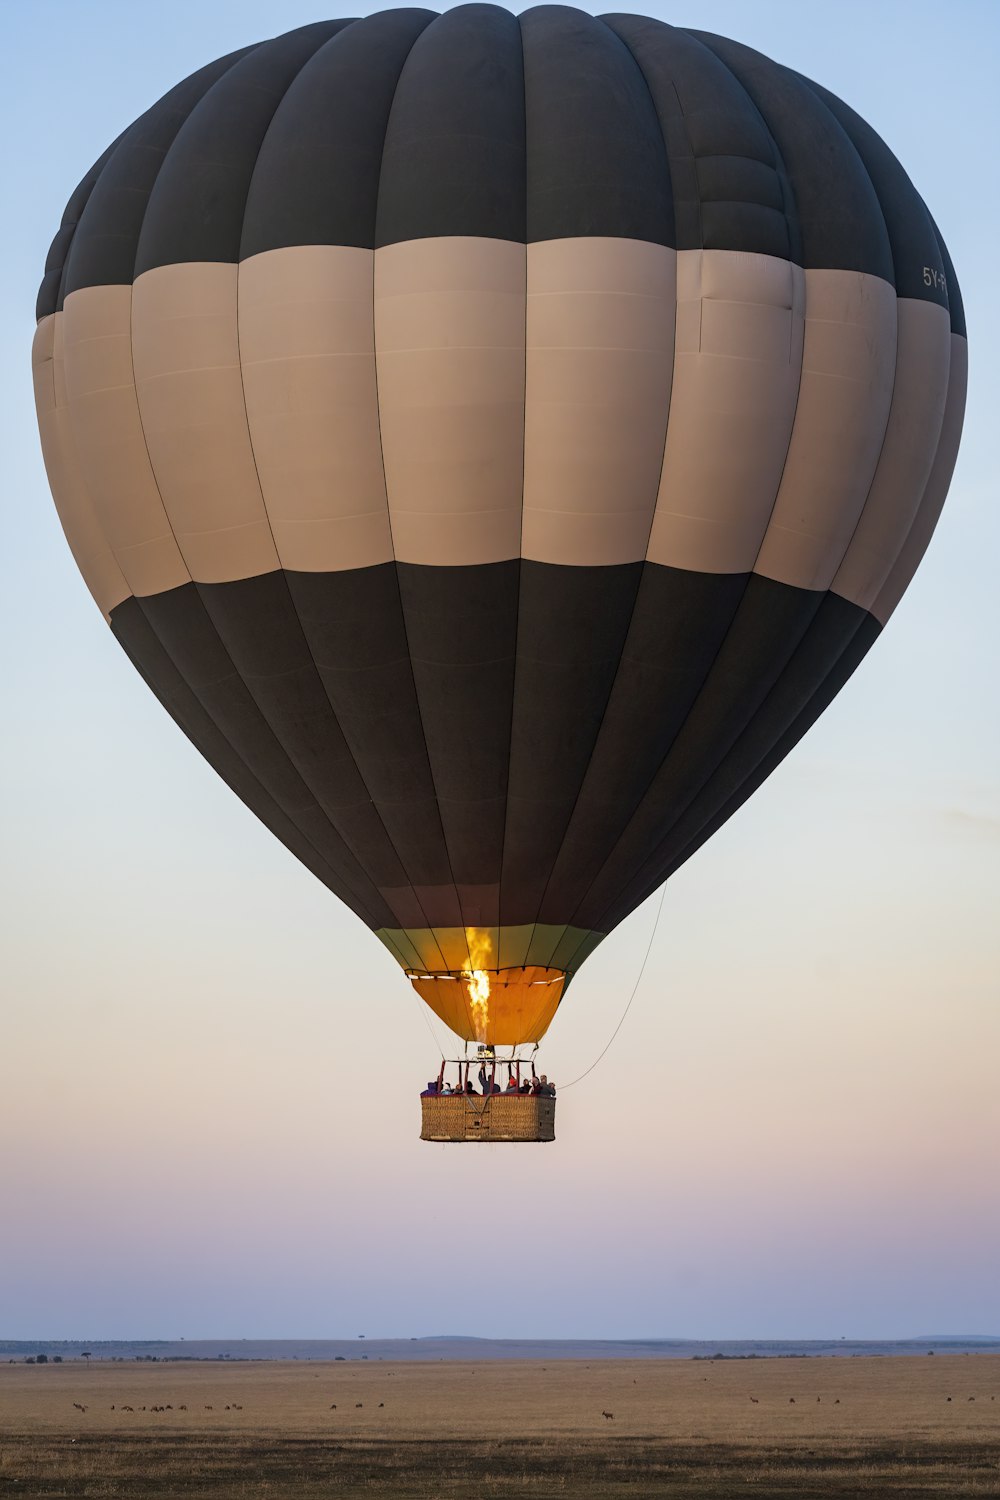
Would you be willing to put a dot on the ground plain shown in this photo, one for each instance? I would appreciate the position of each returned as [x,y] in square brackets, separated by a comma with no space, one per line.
[418,1431]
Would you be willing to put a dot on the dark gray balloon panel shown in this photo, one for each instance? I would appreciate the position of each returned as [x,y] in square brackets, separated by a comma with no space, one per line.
[519,743]
[406,125]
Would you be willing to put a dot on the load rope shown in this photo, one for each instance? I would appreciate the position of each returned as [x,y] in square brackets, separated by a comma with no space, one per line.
[649,946]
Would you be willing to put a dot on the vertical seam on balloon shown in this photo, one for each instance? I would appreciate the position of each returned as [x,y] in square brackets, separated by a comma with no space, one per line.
[327,41]
[885,588]
[415,962]
[698,38]
[645,561]
[735,801]
[520,532]
[892,400]
[131,311]
[112,151]
[652,515]
[789,739]
[162,103]
[149,198]
[239,346]
[542,1005]
[382,933]
[108,155]
[962,377]
[736,798]
[195,585]
[96,169]
[330,814]
[67,450]
[599,921]
[395,560]
[142,428]
[342,881]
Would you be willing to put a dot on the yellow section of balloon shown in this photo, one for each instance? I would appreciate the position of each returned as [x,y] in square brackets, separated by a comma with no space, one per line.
[502,1008]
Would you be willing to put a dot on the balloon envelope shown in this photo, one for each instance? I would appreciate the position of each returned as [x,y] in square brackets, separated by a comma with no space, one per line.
[495,440]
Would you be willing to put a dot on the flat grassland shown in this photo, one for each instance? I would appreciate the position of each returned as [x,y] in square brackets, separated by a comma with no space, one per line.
[680,1428]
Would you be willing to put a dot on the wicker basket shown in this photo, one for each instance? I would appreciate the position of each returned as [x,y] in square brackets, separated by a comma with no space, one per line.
[493,1117]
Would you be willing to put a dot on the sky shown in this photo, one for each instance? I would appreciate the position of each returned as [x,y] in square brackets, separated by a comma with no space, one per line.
[209,1068]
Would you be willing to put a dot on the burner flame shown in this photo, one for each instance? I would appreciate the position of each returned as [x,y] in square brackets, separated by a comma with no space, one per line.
[477,979]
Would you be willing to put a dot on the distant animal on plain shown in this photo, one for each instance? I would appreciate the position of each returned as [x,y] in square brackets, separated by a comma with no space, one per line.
[947,1398]
[381,1403]
[333,1406]
[358,1405]
[791,1400]
[755,1401]
[837,1402]
[182,1408]
[78,1406]
[972,1398]
[128,1408]
[209,1408]
[608,1416]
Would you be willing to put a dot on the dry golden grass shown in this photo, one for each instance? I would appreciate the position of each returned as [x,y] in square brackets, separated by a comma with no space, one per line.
[681,1428]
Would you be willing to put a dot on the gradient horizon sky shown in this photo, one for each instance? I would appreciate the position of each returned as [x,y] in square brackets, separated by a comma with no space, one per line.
[209,1068]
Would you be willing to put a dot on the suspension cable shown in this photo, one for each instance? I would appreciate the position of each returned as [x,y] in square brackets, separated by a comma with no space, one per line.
[659,910]
[430,1030]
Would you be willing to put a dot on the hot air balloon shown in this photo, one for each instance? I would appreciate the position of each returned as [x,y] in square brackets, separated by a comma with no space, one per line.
[495,440]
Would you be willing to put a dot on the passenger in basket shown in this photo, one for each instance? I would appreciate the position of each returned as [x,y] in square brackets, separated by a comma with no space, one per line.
[512,1087]
[526,1086]
[431,1091]
[446,1088]
[485,1083]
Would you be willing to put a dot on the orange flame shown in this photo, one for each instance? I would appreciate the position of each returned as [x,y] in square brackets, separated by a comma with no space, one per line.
[477,979]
